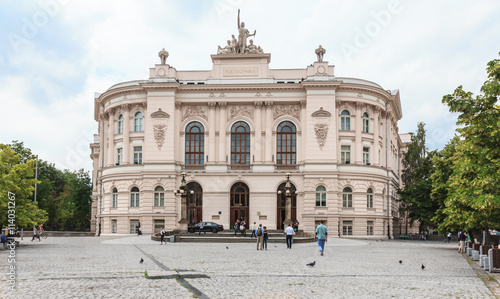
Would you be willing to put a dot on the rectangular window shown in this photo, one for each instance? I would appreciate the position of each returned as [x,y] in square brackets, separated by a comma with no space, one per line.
[113,226]
[119,156]
[133,226]
[134,199]
[369,228]
[366,155]
[159,223]
[159,199]
[320,198]
[369,201]
[345,123]
[347,200]
[347,228]
[137,154]
[366,125]
[345,154]
[115,200]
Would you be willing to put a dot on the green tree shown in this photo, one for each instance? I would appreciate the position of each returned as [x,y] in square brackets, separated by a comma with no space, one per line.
[415,200]
[473,200]
[17,179]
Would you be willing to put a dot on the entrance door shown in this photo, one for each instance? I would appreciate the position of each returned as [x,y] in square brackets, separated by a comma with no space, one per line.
[281,206]
[194,203]
[240,201]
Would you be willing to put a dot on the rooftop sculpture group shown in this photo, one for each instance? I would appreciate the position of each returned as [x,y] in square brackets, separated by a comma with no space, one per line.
[239,46]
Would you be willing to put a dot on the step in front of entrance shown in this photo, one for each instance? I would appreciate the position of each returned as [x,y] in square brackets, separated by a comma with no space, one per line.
[225,239]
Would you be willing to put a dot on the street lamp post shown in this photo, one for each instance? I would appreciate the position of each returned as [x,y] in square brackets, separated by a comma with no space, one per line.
[182,192]
[288,204]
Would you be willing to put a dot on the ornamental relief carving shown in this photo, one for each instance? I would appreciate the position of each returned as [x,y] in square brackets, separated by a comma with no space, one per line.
[240,111]
[321,131]
[194,111]
[159,134]
[293,110]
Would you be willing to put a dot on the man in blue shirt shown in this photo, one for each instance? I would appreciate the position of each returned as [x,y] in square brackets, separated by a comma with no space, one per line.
[322,235]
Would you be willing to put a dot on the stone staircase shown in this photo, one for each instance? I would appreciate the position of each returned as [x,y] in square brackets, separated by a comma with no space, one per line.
[227,236]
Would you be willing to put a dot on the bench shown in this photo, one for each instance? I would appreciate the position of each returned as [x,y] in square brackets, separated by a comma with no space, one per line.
[493,260]
[483,254]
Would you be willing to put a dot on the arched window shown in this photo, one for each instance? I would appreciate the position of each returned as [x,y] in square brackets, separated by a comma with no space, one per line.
[366,122]
[286,144]
[240,202]
[134,197]
[347,197]
[345,120]
[159,197]
[195,143]
[120,124]
[115,198]
[321,196]
[369,198]
[139,122]
[240,143]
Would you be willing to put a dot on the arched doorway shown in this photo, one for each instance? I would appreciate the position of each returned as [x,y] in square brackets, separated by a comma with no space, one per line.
[240,202]
[281,204]
[194,203]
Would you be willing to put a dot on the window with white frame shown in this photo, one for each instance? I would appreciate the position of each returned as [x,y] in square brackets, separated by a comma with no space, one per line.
[366,155]
[347,228]
[120,124]
[119,156]
[369,227]
[366,122]
[345,154]
[159,197]
[133,226]
[369,198]
[114,226]
[194,143]
[345,120]
[137,154]
[139,122]
[115,198]
[347,198]
[321,196]
[134,197]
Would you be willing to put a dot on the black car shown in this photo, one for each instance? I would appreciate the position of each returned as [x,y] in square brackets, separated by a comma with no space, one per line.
[208,226]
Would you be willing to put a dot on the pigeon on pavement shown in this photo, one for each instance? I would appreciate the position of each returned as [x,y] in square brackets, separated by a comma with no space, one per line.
[400,261]
[142,261]
[423,267]
[311,264]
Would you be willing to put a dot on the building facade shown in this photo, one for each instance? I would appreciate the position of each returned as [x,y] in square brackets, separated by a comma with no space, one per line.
[236,130]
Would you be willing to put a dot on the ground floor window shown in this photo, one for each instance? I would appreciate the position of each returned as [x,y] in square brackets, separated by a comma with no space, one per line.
[369,228]
[113,226]
[159,223]
[133,226]
[347,228]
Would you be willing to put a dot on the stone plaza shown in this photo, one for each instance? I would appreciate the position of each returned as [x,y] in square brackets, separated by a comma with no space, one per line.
[109,267]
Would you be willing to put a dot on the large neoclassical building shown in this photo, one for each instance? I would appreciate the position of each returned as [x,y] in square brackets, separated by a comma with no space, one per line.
[236,130]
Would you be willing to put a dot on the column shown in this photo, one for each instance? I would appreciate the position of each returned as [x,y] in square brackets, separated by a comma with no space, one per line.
[110,115]
[269,132]
[126,133]
[358,127]
[375,124]
[177,133]
[211,133]
[222,132]
[258,133]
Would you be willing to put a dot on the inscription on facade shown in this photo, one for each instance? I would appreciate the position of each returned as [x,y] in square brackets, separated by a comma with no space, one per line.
[241,71]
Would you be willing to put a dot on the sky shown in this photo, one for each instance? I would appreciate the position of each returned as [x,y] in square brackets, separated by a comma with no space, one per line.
[55,54]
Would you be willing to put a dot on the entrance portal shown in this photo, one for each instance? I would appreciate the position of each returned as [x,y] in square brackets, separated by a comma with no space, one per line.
[281,206]
[194,203]
[240,202]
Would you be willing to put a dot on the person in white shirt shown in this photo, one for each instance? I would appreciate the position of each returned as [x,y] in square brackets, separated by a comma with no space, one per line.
[289,236]
[162,234]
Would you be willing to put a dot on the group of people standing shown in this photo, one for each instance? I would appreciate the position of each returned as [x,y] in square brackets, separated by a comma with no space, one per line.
[240,226]
[462,237]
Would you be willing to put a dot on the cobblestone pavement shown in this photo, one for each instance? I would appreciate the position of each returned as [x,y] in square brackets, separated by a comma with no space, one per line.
[108,267]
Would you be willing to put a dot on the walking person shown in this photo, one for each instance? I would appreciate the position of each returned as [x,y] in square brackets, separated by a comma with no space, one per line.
[138,226]
[461,238]
[35,234]
[289,236]
[322,235]
[202,228]
[162,236]
[259,232]
[449,237]
[253,230]
[264,240]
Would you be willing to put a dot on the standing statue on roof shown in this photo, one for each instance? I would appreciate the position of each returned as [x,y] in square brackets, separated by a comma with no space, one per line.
[163,54]
[320,51]
[243,35]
